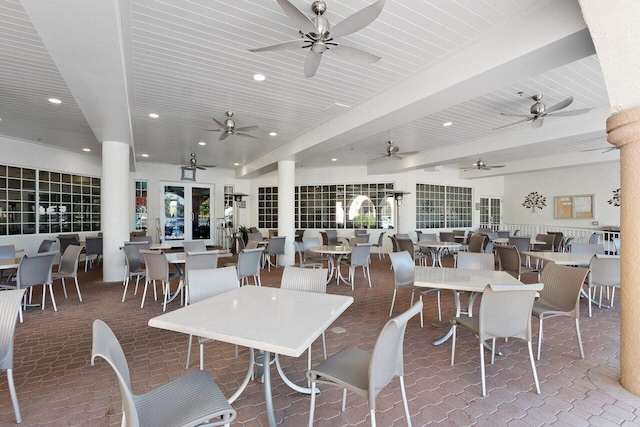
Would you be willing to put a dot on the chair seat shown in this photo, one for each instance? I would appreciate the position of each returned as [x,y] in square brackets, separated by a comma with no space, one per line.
[472,323]
[187,401]
[549,310]
[348,368]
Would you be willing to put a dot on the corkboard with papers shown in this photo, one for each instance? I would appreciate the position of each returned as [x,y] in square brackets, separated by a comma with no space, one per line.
[574,207]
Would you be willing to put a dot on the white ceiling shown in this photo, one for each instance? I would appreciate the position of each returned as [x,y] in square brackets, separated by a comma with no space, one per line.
[112,62]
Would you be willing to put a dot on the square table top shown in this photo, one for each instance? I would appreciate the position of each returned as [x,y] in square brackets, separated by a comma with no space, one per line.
[278,320]
[459,279]
[566,258]
[8,264]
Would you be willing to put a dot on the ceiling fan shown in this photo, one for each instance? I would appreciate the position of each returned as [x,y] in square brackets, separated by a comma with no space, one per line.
[193,164]
[228,128]
[603,149]
[539,111]
[318,36]
[482,166]
[392,152]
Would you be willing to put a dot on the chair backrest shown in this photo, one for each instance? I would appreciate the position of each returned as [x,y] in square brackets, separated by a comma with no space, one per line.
[332,237]
[137,233]
[309,243]
[447,236]
[239,243]
[476,243]
[133,257]
[93,245]
[68,239]
[9,307]
[387,358]
[255,236]
[616,244]
[516,232]
[406,245]
[381,239]
[459,233]
[7,252]
[548,240]
[562,285]
[276,245]
[359,232]
[505,311]
[107,346]
[139,245]
[157,267]
[428,237]
[273,233]
[394,244]
[404,268]
[200,260]
[249,262]
[402,236]
[605,271]
[325,238]
[558,237]
[581,248]
[209,282]
[360,254]
[69,260]
[299,235]
[45,246]
[304,279]
[194,246]
[476,261]
[35,269]
[595,237]
[254,230]
[508,259]
[503,234]
[523,243]
[147,239]
[252,244]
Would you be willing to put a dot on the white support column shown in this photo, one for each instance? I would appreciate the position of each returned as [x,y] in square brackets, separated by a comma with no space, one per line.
[115,207]
[286,206]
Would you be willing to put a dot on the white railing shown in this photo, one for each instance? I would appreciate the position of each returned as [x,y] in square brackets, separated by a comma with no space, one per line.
[580,235]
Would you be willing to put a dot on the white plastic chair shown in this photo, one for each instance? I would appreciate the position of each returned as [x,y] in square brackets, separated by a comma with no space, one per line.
[605,272]
[9,309]
[249,266]
[68,268]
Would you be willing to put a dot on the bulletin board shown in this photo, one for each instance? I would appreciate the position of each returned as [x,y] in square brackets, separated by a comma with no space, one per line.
[574,207]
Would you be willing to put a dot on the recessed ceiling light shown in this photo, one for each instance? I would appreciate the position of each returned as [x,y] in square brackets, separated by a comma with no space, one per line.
[259,77]
[202,143]
[86,149]
[153,115]
[445,124]
[55,101]
[273,134]
[145,155]
[334,160]
[236,164]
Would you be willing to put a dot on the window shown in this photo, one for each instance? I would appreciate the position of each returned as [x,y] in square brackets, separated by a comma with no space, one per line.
[331,206]
[440,206]
[65,202]
[140,220]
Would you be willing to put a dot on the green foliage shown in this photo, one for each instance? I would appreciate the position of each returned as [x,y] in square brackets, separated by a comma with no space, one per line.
[364,221]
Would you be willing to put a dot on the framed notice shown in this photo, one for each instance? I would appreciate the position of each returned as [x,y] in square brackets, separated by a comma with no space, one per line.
[574,207]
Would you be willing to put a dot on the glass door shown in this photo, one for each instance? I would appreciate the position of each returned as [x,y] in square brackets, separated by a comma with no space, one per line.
[491,213]
[186,213]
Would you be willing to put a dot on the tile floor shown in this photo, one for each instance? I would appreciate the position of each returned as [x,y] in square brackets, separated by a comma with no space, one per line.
[57,385]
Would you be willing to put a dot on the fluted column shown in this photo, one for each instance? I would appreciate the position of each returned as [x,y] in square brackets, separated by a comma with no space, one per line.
[623,129]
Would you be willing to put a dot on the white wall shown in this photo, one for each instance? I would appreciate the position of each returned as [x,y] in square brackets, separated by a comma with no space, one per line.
[599,179]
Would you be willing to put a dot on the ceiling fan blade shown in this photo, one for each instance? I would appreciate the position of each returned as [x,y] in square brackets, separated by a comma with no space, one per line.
[299,19]
[214,130]
[409,153]
[354,54]
[570,113]
[223,136]
[603,149]
[514,123]
[248,128]
[382,156]
[202,168]
[560,105]
[496,166]
[290,45]
[219,123]
[358,20]
[312,63]
[537,122]
[246,135]
[397,157]
[515,115]
[208,166]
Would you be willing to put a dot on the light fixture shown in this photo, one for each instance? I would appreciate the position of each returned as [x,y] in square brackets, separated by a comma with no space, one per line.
[237,197]
[273,134]
[145,155]
[236,164]
[445,124]
[86,149]
[153,115]
[202,143]
[334,160]
[259,77]
[55,101]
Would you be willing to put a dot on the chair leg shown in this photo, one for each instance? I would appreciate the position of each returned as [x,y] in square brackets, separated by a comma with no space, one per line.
[324,347]
[484,386]
[493,351]
[313,403]
[14,396]
[126,285]
[53,300]
[189,351]
[579,339]
[453,344]
[539,338]
[64,287]
[344,399]
[144,293]
[368,274]
[404,401]
[533,367]
[393,300]
[202,356]
[372,414]
[589,298]
[421,313]
[78,289]
[439,309]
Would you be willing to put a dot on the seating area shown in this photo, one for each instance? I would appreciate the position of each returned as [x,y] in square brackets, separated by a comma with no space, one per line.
[430,381]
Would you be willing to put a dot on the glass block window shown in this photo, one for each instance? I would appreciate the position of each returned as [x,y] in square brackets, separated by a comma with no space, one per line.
[367,206]
[17,201]
[268,207]
[140,219]
[316,206]
[440,206]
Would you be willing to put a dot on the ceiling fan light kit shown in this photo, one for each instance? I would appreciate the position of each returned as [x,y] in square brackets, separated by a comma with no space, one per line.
[482,166]
[228,128]
[318,36]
